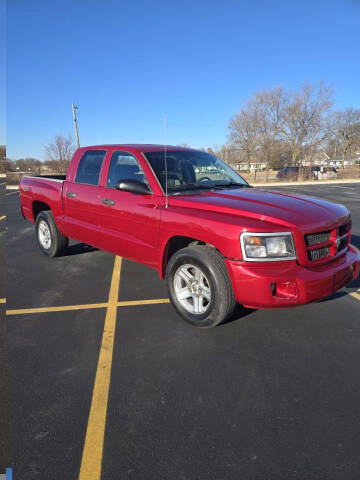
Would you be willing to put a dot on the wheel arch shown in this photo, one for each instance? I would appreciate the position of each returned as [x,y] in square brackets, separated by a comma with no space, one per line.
[38,207]
[176,243]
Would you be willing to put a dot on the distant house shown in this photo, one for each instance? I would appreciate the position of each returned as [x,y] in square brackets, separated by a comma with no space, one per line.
[323,160]
[348,163]
[318,158]
[244,166]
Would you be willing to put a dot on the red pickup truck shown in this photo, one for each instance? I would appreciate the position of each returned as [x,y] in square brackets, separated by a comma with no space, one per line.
[215,240]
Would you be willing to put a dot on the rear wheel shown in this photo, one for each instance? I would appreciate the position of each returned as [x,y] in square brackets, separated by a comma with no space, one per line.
[199,286]
[51,242]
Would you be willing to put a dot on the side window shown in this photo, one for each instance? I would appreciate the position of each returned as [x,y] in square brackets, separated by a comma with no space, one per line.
[89,168]
[124,166]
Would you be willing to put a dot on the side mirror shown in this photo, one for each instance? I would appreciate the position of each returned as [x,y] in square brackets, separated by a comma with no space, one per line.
[133,186]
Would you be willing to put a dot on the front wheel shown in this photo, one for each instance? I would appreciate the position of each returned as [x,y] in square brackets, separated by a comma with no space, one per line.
[50,240]
[199,286]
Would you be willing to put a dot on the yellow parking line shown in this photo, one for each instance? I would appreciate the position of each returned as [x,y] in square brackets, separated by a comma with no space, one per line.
[94,441]
[89,306]
[355,295]
[2,218]
[155,301]
[24,311]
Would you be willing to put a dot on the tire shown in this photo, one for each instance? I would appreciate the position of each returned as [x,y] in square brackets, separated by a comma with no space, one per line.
[199,286]
[51,242]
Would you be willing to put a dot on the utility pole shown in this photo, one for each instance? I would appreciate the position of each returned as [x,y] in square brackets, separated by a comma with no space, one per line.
[74,107]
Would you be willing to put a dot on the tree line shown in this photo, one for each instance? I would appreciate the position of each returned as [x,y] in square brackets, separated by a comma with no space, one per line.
[58,153]
[278,126]
[2,159]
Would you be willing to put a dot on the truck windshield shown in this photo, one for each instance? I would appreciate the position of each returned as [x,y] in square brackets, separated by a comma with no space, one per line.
[192,170]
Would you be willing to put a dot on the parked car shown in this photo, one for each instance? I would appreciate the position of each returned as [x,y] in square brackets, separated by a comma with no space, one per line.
[294,173]
[325,173]
[215,240]
[288,173]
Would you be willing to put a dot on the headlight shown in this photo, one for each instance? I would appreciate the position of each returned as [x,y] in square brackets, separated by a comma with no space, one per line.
[267,246]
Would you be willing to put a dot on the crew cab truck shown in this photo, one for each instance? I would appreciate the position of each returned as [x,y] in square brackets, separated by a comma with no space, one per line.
[215,240]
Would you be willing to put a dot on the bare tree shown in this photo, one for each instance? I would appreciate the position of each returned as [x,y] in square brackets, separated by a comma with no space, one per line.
[269,107]
[280,154]
[304,121]
[346,132]
[257,128]
[2,159]
[61,150]
[244,131]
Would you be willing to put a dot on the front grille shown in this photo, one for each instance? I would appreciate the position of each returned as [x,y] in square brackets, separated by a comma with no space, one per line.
[344,228]
[315,238]
[321,245]
[319,253]
[343,244]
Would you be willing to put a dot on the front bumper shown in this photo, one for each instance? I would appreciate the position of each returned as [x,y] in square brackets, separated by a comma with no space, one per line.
[286,284]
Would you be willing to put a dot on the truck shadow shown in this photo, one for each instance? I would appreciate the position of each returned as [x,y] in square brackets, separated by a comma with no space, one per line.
[239,313]
[334,296]
[78,249]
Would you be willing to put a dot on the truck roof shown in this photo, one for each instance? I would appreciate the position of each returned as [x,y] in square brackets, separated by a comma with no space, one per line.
[140,147]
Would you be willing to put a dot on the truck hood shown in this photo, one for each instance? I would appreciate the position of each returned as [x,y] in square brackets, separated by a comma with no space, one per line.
[288,210]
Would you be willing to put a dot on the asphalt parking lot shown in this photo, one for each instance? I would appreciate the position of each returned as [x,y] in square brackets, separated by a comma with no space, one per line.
[5,411]
[270,395]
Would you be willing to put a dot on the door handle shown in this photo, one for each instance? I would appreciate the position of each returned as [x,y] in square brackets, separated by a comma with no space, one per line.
[71,194]
[108,201]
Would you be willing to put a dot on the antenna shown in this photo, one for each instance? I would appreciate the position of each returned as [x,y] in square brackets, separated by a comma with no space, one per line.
[166,167]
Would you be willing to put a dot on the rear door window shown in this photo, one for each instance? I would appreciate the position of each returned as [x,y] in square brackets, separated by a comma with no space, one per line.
[124,166]
[89,168]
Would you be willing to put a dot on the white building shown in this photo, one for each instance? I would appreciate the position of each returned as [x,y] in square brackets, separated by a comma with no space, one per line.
[254,166]
[348,163]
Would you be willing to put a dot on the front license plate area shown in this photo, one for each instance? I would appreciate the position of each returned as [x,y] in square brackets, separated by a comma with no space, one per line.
[343,277]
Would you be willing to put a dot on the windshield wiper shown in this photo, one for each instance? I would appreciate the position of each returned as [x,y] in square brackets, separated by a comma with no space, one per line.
[231,184]
[198,186]
[190,186]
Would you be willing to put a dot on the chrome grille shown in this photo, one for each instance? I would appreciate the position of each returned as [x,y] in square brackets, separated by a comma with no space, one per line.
[321,245]
[319,253]
[315,238]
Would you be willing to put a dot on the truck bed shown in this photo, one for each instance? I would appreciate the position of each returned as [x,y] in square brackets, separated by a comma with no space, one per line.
[45,189]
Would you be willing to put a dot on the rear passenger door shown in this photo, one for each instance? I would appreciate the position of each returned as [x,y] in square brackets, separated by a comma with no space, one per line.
[129,223]
[82,201]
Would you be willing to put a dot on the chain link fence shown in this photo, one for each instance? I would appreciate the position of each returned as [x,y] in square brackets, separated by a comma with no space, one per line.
[253,177]
[300,175]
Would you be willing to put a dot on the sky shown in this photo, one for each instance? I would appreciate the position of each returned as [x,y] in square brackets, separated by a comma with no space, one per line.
[2,72]
[125,63]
